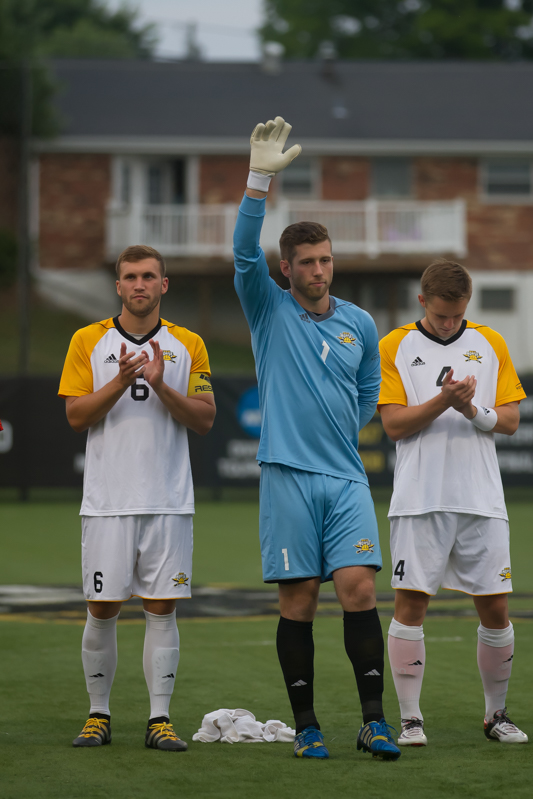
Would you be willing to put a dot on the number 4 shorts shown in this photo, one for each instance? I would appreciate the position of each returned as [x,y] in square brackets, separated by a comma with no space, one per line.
[459,551]
[149,556]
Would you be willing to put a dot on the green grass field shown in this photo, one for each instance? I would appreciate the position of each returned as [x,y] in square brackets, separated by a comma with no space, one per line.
[40,542]
[233,663]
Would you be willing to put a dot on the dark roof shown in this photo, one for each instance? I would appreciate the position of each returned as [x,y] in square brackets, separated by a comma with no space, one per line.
[381,100]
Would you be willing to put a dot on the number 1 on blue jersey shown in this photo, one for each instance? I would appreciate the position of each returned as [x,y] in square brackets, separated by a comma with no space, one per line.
[325,351]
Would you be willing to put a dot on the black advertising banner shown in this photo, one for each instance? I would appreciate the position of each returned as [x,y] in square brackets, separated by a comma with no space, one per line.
[39,449]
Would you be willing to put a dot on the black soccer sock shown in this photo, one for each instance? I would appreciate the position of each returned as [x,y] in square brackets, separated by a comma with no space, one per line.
[363,639]
[158,720]
[296,652]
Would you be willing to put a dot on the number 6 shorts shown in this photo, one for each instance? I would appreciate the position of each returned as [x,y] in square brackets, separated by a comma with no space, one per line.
[311,524]
[149,556]
[459,551]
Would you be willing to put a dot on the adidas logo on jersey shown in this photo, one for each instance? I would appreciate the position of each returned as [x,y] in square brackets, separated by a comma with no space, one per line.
[304,317]
[111,359]
[418,362]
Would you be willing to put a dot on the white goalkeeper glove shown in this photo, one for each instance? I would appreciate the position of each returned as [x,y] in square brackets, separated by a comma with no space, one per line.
[266,158]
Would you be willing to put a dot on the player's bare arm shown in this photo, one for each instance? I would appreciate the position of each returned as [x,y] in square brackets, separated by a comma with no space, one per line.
[401,421]
[508,416]
[85,411]
[196,413]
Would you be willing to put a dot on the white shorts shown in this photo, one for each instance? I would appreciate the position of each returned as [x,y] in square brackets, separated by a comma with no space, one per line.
[140,555]
[458,551]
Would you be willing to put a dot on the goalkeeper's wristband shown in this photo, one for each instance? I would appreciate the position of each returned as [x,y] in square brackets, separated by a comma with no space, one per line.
[485,418]
[258,181]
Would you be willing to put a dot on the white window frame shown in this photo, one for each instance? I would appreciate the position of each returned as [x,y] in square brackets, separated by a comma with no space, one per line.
[316,182]
[503,199]
[117,173]
[392,197]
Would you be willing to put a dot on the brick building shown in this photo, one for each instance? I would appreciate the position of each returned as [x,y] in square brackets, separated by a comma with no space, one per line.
[402,161]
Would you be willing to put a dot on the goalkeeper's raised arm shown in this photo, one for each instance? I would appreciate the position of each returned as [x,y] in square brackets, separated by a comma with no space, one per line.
[252,282]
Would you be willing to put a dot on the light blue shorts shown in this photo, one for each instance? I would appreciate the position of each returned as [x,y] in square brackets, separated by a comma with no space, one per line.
[311,524]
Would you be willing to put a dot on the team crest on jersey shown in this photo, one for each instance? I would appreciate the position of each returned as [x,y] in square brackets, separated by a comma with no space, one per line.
[181,579]
[364,545]
[472,355]
[505,574]
[168,355]
[347,338]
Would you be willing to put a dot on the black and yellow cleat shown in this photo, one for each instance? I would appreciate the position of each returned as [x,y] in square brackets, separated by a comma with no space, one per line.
[96,732]
[161,735]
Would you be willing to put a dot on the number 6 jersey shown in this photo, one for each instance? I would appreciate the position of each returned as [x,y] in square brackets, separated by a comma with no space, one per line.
[450,465]
[137,457]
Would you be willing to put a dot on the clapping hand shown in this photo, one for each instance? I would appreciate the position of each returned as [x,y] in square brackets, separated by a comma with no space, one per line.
[154,369]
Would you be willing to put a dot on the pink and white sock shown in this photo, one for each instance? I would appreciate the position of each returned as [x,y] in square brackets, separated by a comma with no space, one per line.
[407,656]
[495,660]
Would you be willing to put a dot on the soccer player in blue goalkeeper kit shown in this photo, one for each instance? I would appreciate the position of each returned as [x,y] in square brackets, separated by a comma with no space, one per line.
[318,370]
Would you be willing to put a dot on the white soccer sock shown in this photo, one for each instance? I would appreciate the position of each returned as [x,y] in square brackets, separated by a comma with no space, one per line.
[495,660]
[407,656]
[99,658]
[160,660]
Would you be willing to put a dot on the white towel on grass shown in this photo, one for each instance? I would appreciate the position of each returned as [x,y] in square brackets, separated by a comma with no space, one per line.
[240,726]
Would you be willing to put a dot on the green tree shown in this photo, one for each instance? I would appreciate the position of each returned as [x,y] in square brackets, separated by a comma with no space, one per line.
[35,30]
[87,29]
[402,29]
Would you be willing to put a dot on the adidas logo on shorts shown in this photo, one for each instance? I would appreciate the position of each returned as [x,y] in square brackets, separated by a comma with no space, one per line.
[111,359]
[418,362]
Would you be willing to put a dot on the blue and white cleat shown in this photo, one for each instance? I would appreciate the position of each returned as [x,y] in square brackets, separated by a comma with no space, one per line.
[375,738]
[310,743]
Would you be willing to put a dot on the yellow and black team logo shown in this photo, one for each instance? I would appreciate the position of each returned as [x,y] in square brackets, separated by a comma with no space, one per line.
[505,574]
[472,355]
[181,579]
[364,545]
[168,355]
[347,338]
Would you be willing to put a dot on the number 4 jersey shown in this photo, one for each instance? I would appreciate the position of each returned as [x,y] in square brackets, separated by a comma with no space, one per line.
[137,457]
[449,465]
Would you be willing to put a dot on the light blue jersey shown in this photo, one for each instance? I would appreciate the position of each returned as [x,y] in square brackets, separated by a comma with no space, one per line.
[318,376]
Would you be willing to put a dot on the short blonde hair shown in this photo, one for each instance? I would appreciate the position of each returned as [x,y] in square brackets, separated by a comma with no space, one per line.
[447,280]
[140,252]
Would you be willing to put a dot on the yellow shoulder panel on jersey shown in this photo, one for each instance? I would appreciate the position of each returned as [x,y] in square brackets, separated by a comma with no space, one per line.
[194,346]
[392,391]
[77,377]
[508,387]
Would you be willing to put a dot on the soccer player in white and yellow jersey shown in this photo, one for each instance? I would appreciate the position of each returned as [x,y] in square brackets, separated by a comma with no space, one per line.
[137,491]
[447,386]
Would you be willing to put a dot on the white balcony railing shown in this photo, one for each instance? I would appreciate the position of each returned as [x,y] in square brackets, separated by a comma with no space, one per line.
[371,227]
